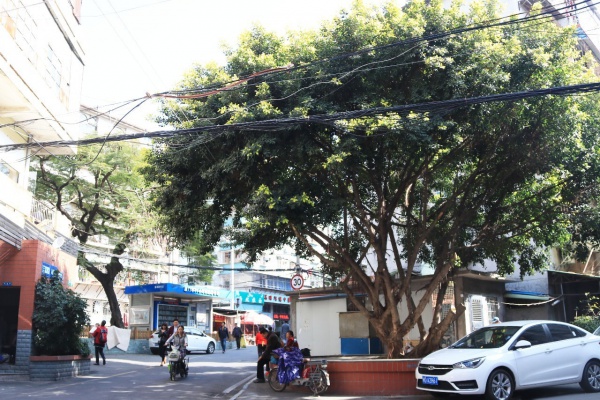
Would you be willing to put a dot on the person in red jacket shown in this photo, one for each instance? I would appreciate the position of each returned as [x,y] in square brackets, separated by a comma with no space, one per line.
[261,340]
[100,335]
[290,341]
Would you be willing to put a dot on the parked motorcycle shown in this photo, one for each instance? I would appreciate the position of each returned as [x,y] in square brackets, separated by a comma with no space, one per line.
[312,374]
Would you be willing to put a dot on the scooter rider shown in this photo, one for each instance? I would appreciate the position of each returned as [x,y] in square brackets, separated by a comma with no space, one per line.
[180,341]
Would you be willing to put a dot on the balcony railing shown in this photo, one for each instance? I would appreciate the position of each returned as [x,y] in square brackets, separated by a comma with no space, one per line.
[42,213]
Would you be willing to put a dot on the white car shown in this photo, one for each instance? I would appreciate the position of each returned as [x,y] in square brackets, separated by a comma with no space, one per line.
[197,341]
[498,359]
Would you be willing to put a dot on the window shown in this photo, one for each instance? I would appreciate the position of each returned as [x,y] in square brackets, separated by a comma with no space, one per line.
[25,33]
[7,16]
[535,335]
[350,306]
[562,332]
[53,69]
[275,282]
[492,303]
[9,171]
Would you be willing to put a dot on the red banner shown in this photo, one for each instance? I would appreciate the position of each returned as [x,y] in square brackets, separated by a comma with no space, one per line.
[219,318]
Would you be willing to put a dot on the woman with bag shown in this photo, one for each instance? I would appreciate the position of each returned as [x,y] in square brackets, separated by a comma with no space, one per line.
[179,340]
[163,335]
[100,337]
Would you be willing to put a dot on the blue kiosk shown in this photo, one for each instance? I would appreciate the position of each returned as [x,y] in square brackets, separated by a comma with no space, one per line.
[153,304]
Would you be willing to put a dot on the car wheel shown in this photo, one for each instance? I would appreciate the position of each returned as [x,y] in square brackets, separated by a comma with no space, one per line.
[590,381]
[211,348]
[154,350]
[500,385]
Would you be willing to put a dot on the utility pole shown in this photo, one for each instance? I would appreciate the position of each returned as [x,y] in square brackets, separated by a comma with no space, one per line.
[232,256]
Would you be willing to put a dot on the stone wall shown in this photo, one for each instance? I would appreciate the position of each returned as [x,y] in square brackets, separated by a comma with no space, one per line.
[20,369]
[55,368]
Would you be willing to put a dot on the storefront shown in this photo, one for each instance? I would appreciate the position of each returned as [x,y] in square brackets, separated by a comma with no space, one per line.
[277,305]
[155,304]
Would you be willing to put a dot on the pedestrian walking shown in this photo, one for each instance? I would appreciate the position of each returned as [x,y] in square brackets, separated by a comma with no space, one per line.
[237,334]
[173,328]
[100,337]
[223,336]
[163,335]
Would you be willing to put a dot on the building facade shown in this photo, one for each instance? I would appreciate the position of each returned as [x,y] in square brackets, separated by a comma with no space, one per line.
[41,71]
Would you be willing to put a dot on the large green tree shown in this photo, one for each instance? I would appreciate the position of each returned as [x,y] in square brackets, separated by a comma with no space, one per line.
[103,195]
[373,196]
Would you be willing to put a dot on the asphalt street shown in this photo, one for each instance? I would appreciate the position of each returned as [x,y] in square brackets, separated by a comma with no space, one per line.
[211,376]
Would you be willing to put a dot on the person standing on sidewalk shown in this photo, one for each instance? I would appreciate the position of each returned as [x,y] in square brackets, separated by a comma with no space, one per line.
[261,340]
[284,329]
[100,336]
[223,336]
[272,344]
[237,334]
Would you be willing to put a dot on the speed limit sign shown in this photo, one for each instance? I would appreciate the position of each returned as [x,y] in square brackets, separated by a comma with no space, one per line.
[297,282]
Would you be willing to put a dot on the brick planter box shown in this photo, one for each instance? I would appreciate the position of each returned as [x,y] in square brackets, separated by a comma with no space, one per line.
[54,368]
[372,377]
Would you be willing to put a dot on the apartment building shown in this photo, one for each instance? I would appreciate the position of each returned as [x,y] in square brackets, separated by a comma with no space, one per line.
[41,70]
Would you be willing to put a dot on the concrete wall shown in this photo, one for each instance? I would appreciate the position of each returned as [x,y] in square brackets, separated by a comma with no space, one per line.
[23,268]
[136,346]
[317,325]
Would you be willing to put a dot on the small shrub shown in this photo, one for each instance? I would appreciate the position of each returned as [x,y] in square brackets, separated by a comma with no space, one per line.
[587,322]
[59,315]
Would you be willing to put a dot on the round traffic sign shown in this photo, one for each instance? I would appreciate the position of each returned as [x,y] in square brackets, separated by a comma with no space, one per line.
[297,282]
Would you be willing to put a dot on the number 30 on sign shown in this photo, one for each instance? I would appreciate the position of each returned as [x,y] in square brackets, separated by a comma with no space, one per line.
[297,282]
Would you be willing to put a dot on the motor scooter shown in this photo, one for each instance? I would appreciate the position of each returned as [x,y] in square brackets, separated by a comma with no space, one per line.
[313,374]
[178,364]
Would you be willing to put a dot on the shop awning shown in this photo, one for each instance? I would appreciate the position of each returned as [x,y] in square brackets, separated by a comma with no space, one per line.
[253,318]
[175,290]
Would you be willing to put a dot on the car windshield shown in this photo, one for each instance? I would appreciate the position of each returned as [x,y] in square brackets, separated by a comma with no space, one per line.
[597,331]
[490,337]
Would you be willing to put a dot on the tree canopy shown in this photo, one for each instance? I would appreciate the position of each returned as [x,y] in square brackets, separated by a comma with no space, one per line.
[103,195]
[374,196]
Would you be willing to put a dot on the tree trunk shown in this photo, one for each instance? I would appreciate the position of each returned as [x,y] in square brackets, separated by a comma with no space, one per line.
[107,281]
[116,319]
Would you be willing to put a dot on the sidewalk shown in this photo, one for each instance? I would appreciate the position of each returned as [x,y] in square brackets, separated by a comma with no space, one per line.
[130,376]
[249,390]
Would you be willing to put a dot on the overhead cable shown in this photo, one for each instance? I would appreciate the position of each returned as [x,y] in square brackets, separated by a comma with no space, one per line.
[282,123]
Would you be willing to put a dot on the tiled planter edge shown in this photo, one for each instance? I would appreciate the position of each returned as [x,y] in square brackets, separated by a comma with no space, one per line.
[373,377]
[54,368]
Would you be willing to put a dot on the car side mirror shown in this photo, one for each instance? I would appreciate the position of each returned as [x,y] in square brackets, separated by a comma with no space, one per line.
[522,344]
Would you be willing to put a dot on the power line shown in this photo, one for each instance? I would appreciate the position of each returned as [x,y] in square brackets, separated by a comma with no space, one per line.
[282,123]
[234,85]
